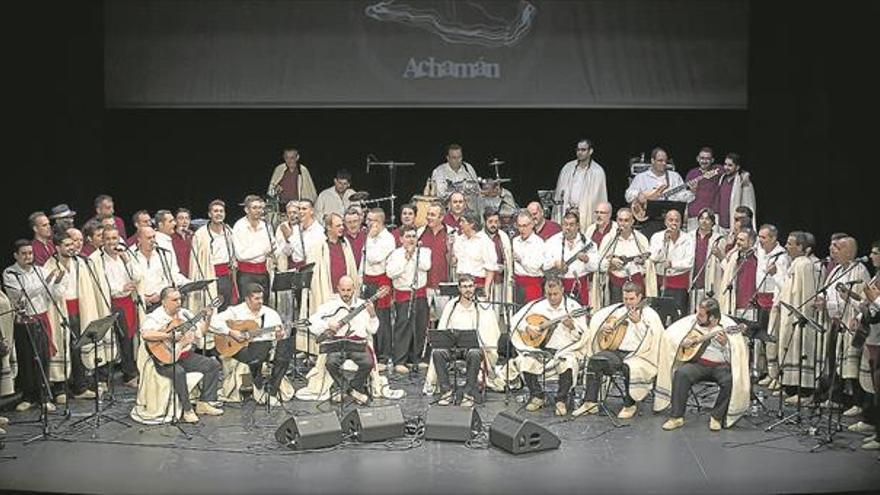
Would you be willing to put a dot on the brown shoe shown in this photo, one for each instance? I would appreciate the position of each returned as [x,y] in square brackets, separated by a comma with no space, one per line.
[208,409]
[190,417]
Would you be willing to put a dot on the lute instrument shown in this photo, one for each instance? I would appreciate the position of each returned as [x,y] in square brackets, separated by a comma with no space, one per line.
[699,341]
[613,330]
[546,326]
[555,272]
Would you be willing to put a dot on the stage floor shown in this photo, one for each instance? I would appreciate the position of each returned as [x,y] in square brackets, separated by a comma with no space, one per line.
[237,453]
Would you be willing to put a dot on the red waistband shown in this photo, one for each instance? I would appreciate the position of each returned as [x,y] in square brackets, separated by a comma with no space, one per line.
[527,280]
[616,281]
[679,281]
[72,307]
[246,267]
[764,299]
[127,306]
[711,364]
[380,280]
[221,269]
[404,295]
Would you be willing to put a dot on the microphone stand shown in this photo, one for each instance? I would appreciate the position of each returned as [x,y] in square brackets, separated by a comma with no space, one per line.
[65,326]
[107,302]
[692,282]
[45,387]
[269,391]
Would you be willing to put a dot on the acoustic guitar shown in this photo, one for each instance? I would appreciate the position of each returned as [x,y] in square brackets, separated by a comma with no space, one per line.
[700,341]
[161,349]
[346,320]
[546,326]
[611,340]
[639,209]
[555,272]
[228,346]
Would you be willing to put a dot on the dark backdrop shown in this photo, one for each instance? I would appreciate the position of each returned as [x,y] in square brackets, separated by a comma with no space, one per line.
[807,134]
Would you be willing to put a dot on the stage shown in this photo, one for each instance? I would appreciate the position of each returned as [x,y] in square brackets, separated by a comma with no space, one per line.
[237,453]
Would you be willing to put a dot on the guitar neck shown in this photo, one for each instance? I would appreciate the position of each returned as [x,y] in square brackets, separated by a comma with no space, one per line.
[711,334]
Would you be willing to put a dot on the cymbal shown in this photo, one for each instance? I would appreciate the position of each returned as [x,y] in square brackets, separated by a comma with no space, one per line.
[359,196]
[496,181]
[495,162]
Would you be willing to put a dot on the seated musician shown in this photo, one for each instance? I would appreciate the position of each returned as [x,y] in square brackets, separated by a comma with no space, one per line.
[722,359]
[463,313]
[268,329]
[156,328]
[558,341]
[325,322]
[633,352]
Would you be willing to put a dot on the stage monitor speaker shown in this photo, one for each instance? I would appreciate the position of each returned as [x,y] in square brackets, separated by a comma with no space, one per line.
[314,431]
[374,424]
[519,436]
[452,424]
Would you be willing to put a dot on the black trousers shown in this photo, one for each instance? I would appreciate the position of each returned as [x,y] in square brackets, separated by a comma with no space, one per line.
[615,293]
[533,383]
[224,288]
[472,357]
[409,334]
[210,368]
[691,373]
[872,415]
[383,335]
[261,279]
[79,383]
[125,345]
[29,336]
[257,353]
[606,363]
[680,296]
[364,365]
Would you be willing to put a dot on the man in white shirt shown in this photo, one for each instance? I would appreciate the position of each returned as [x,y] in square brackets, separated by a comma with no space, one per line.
[336,198]
[474,253]
[213,252]
[652,184]
[408,268]
[571,245]
[378,246]
[268,321]
[325,322]
[580,186]
[453,173]
[624,257]
[672,251]
[159,326]
[252,242]
[635,357]
[528,260]
[303,237]
[24,285]
[463,313]
[159,269]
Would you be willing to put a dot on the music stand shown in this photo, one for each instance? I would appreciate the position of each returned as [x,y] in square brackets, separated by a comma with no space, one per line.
[802,321]
[195,286]
[93,333]
[667,308]
[455,340]
[295,281]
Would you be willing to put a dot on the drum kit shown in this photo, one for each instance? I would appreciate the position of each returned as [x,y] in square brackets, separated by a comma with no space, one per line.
[477,192]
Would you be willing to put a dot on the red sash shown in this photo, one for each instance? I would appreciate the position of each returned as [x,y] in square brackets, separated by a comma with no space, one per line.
[72,307]
[583,292]
[222,270]
[404,295]
[379,281]
[127,306]
[764,299]
[479,281]
[43,318]
[637,279]
[531,286]
[679,281]
[257,268]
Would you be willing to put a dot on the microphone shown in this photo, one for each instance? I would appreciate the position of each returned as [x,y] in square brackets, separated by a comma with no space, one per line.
[852,282]
[862,259]
[780,253]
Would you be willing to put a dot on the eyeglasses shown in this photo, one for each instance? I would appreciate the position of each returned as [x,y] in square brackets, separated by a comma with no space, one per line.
[583,149]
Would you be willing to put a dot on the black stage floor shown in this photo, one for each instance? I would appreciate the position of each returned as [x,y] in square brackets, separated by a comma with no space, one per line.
[237,453]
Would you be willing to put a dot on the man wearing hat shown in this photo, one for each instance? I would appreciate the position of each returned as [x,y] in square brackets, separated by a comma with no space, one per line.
[62,217]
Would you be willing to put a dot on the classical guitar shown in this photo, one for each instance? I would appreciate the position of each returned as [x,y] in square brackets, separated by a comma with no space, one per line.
[161,349]
[346,320]
[699,341]
[546,326]
[228,346]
